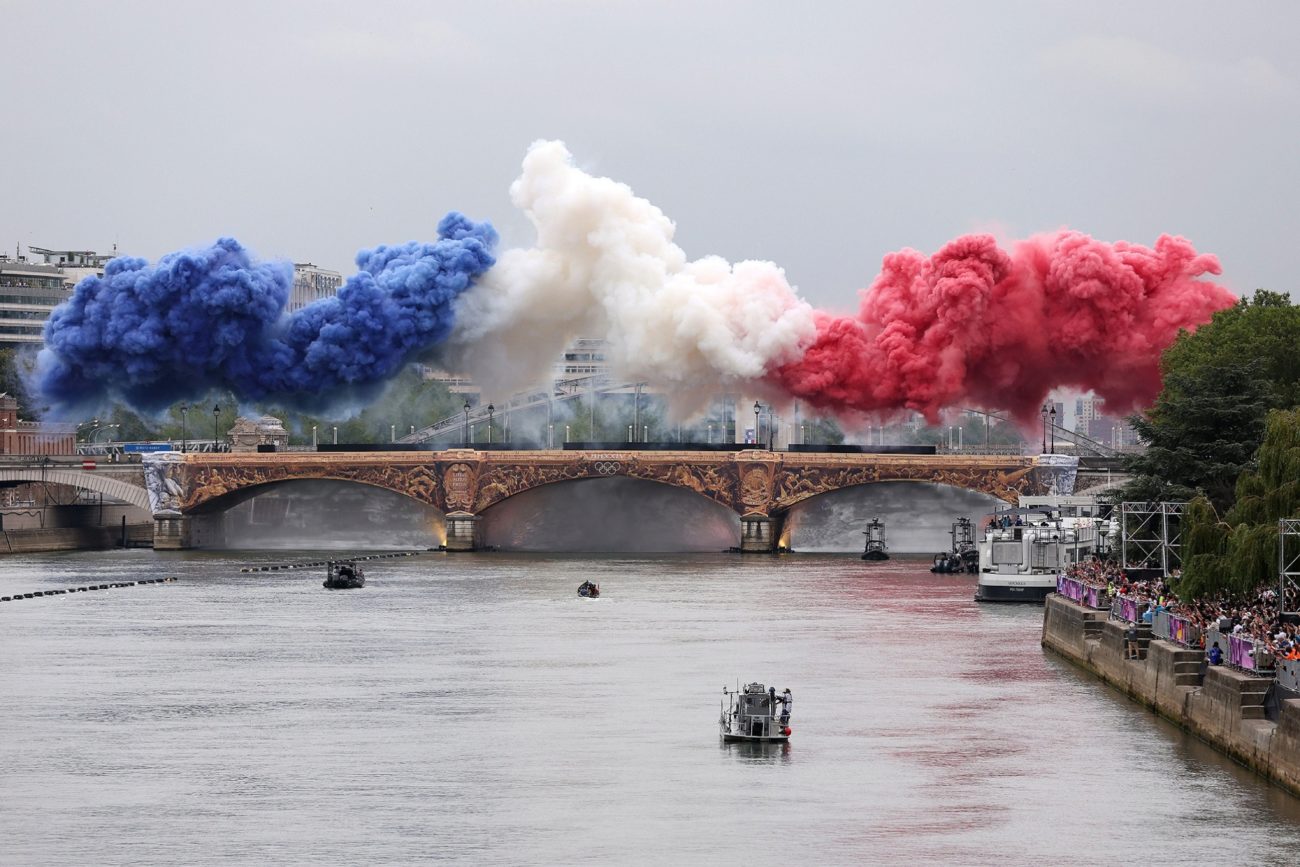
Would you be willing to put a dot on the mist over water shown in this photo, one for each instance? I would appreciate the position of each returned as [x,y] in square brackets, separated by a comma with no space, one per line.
[917,515]
[322,513]
[616,514]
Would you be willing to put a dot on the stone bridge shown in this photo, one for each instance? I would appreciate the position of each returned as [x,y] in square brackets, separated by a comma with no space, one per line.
[123,482]
[760,486]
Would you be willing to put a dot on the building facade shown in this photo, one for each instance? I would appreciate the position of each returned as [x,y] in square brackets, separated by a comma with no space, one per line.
[28,292]
[311,284]
[76,265]
[19,437]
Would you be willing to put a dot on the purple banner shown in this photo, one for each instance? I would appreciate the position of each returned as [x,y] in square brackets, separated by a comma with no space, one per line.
[1084,594]
[1241,652]
[1094,597]
[1128,609]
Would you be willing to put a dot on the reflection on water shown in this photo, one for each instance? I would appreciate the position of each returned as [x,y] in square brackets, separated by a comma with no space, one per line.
[473,708]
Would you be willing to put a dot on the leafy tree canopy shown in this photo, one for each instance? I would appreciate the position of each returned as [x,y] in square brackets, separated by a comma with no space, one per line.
[1219,385]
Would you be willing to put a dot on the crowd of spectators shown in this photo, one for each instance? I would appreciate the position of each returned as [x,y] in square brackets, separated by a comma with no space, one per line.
[1255,616]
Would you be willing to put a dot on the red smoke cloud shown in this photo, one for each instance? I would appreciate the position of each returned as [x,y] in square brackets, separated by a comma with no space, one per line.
[976,326]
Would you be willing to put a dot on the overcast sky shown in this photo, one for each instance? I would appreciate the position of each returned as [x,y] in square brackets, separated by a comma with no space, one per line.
[820,136]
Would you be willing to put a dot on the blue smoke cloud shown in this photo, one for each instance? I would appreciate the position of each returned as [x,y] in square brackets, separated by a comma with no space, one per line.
[198,320]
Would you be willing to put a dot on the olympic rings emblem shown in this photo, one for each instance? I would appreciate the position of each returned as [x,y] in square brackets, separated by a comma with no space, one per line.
[607,468]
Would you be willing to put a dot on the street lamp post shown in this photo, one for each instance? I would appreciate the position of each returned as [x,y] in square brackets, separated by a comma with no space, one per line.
[392,433]
[1053,415]
[756,427]
[1044,414]
[491,410]
[466,408]
[216,411]
[184,443]
[313,436]
[336,434]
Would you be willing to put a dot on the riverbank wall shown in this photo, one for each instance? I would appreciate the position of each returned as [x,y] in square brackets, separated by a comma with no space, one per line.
[1221,706]
[36,541]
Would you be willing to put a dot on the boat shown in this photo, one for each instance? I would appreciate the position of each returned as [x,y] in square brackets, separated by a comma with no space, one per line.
[1026,547]
[755,714]
[343,575]
[589,590]
[876,548]
[964,556]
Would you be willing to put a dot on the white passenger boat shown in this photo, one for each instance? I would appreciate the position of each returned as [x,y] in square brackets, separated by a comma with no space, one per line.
[755,714]
[1025,548]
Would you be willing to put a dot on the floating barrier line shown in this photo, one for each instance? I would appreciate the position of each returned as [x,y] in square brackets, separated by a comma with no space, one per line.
[15,597]
[316,564]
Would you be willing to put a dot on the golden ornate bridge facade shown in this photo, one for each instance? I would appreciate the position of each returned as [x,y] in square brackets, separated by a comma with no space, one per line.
[760,486]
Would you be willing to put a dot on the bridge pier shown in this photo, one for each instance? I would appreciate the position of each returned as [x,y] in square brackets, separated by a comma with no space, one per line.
[462,531]
[182,532]
[171,533]
[760,534]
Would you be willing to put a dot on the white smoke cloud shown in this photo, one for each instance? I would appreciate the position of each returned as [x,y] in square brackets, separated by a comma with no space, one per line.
[605,265]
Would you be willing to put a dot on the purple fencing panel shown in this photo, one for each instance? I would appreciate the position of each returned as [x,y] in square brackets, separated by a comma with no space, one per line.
[1069,588]
[1095,597]
[1126,608]
[1241,652]
[1084,594]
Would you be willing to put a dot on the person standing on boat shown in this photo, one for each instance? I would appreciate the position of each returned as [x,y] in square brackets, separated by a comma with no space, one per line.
[786,702]
[771,699]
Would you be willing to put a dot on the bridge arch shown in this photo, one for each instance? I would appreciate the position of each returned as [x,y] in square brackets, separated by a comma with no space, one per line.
[918,515]
[87,481]
[237,496]
[616,513]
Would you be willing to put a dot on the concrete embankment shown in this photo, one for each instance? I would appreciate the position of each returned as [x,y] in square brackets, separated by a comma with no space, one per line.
[74,539]
[1221,706]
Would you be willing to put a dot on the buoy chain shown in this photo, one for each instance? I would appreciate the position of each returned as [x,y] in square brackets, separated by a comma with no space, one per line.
[316,564]
[35,593]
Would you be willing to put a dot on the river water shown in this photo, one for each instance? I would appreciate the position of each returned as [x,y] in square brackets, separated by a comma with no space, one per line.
[473,708]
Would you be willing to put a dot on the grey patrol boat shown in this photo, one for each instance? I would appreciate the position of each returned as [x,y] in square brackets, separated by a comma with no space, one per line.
[754,714]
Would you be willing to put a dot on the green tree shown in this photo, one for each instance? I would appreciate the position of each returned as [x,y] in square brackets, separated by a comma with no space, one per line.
[1239,552]
[1219,385]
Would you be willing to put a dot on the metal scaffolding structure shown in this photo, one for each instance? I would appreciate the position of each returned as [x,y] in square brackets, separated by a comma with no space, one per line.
[1151,535]
[1288,563]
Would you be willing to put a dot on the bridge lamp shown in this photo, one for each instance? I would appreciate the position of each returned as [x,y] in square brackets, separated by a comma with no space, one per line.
[466,422]
[491,410]
[216,411]
[566,433]
[756,428]
[336,434]
[184,410]
[1044,413]
[313,436]
[1053,415]
[392,433]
